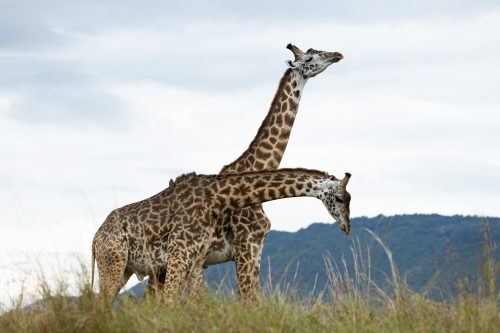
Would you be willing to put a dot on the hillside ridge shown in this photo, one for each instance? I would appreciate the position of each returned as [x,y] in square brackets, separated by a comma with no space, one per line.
[432,252]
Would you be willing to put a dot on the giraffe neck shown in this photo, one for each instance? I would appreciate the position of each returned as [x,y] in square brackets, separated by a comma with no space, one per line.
[233,192]
[267,148]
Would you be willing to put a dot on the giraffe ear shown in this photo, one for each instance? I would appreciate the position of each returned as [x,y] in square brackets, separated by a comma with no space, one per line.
[290,64]
[334,184]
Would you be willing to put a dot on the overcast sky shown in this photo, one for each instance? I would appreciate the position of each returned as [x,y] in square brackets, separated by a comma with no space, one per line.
[102,102]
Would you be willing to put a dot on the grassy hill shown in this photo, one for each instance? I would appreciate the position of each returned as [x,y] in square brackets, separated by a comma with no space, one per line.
[432,252]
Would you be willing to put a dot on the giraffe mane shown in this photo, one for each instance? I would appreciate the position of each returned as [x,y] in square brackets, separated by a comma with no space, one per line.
[183,177]
[310,172]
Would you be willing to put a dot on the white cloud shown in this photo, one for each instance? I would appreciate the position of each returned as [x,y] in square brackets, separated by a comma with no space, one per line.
[99,111]
[5,105]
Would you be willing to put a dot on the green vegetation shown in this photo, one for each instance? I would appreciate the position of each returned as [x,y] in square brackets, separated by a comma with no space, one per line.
[411,313]
[351,302]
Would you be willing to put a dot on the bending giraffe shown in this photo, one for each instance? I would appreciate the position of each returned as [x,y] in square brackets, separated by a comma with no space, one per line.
[171,232]
[240,236]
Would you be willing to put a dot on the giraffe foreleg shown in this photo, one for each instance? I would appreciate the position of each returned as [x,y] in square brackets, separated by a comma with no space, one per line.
[176,271]
[195,285]
[185,257]
[248,272]
[248,249]
[180,263]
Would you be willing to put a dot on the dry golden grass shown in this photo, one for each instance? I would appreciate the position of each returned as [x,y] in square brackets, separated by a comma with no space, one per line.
[350,304]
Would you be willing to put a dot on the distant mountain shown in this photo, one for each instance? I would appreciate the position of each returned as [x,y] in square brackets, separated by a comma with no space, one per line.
[432,252]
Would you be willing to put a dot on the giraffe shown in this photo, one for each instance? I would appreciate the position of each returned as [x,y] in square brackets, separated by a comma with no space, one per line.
[171,232]
[240,235]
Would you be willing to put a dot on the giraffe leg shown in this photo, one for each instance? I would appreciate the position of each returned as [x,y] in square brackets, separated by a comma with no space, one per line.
[247,273]
[177,271]
[195,281]
[184,260]
[248,250]
[155,283]
[112,267]
[112,278]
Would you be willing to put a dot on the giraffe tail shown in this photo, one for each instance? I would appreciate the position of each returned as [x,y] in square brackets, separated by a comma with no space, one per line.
[92,264]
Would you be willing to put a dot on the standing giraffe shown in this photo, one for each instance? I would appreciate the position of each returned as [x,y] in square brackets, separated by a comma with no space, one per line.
[172,231]
[240,236]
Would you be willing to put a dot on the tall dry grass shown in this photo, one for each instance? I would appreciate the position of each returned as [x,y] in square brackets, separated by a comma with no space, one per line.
[352,302]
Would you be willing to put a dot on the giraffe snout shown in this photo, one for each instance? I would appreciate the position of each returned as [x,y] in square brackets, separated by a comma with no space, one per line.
[345,228]
[337,56]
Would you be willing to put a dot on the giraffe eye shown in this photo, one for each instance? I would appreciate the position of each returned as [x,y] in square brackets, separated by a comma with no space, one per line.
[309,59]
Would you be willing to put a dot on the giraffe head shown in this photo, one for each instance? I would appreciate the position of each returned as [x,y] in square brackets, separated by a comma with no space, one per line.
[312,62]
[336,199]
